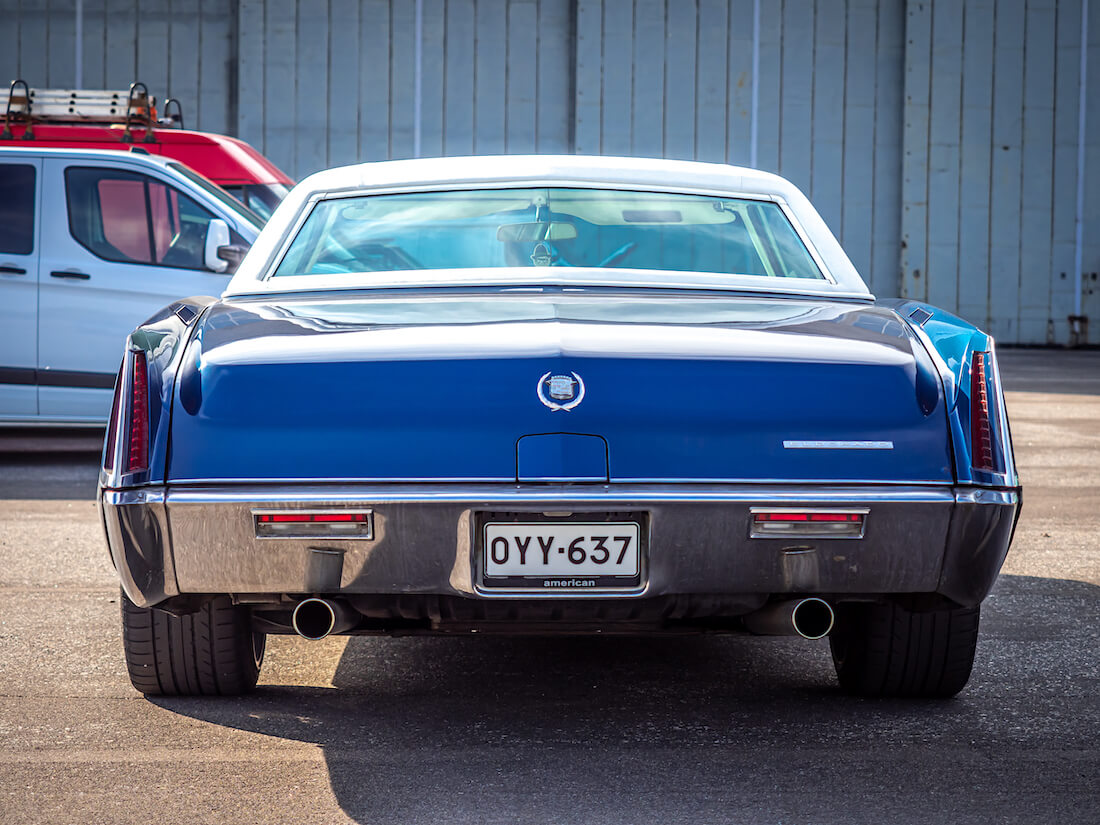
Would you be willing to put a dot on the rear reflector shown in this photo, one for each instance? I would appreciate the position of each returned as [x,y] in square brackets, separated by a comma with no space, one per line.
[309,524]
[807,524]
[137,457]
[981,431]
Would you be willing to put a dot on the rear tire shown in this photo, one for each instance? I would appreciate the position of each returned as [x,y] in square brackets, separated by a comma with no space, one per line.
[883,650]
[212,652]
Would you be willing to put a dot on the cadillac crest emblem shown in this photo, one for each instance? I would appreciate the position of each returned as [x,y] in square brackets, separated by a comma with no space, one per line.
[560,392]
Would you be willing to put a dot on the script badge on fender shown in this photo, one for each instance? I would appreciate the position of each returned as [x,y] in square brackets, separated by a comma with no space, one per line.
[561,392]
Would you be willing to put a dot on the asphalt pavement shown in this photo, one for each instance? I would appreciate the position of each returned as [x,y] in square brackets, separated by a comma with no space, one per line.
[591,730]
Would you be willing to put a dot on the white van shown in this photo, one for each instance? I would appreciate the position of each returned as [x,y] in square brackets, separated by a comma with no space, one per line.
[91,244]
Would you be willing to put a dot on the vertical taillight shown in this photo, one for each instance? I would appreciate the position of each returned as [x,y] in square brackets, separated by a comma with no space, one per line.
[981,429]
[137,457]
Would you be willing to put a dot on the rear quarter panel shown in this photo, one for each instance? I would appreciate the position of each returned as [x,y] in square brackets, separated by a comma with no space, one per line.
[952,343]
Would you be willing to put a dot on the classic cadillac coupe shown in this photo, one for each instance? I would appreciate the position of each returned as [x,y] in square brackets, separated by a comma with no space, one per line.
[555,395]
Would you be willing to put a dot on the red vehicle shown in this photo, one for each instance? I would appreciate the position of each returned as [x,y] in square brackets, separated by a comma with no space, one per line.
[70,119]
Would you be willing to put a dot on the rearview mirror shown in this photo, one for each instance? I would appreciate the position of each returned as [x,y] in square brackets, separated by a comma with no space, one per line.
[535,232]
[217,234]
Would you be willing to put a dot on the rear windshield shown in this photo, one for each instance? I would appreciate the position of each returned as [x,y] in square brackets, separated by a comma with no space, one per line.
[548,227]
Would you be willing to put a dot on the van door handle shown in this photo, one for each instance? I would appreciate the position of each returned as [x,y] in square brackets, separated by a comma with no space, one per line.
[12,270]
[80,276]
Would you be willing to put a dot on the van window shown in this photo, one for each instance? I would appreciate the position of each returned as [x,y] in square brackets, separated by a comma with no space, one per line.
[133,218]
[225,196]
[16,208]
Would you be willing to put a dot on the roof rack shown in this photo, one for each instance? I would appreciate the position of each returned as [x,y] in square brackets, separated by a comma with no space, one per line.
[130,108]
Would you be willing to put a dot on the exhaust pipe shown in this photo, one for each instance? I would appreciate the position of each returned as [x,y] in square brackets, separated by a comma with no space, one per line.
[810,618]
[314,618]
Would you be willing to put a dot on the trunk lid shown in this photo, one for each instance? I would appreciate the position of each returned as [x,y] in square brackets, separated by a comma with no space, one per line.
[692,387]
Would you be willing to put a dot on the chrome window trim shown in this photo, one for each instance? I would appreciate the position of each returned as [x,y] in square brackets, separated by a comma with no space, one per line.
[805,238]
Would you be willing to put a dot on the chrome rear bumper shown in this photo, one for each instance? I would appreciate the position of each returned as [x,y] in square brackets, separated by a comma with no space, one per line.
[168,541]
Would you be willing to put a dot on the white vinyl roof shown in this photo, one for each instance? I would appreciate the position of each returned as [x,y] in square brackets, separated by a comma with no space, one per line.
[494,172]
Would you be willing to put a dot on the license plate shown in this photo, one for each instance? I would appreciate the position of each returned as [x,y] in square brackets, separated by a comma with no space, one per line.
[563,555]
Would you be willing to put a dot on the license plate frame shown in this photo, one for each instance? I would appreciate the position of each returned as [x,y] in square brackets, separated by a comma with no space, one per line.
[560,581]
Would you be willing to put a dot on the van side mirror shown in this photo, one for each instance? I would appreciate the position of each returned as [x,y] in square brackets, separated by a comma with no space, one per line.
[217,234]
[232,254]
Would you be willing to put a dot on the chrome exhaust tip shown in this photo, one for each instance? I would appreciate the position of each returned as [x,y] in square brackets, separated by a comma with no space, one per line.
[810,618]
[315,618]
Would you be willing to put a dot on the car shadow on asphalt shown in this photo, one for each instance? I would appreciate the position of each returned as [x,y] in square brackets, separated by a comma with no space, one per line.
[595,729]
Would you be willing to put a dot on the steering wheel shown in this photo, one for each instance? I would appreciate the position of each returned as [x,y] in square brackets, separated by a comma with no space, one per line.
[619,254]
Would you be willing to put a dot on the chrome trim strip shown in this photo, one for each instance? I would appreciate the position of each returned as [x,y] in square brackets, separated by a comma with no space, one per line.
[563,480]
[260,484]
[799,230]
[601,496]
[983,495]
[137,495]
[838,445]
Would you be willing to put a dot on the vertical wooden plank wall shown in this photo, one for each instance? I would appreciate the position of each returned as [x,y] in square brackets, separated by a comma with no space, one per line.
[490,77]
[11,65]
[942,275]
[711,79]
[1037,171]
[555,77]
[375,66]
[647,111]
[496,76]
[796,94]
[828,113]
[61,61]
[458,97]
[178,48]
[975,157]
[1091,298]
[888,162]
[681,39]
[1004,199]
[990,163]
[344,82]
[914,181]
[521,105]
[857,196]
[1066,108]
[739,62]
[434,79]
[938,138]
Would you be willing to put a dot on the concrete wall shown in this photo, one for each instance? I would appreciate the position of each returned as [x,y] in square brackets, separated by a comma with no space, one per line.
[938,138]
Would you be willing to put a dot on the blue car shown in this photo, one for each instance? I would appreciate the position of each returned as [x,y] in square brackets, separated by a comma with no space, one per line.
[555,395]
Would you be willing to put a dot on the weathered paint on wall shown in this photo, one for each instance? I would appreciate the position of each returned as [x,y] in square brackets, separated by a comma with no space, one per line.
[990,171]
[186,49]
[937,137]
